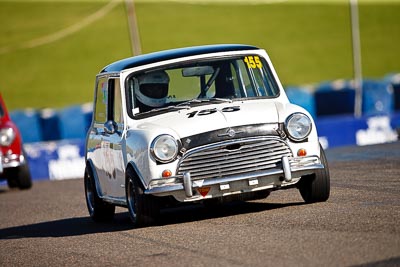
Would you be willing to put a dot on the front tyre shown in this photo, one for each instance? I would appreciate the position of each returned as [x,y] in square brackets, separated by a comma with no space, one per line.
[19,177]
[316,187]
[99,210]
[143,209]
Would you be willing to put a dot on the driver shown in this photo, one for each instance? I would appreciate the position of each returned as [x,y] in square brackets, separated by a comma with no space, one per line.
[151,90]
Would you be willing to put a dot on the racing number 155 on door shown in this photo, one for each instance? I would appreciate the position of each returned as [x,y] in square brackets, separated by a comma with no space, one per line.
[253,62]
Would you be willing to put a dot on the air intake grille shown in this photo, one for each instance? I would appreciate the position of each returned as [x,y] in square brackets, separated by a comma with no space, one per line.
[234,157]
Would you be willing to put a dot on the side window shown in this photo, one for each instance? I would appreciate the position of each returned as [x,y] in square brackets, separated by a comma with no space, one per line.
[117,112]
[114,107]
[130,95]
[100,115]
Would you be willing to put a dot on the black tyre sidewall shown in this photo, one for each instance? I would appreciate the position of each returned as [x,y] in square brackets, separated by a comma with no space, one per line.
[316,187]
[98,210]
[143,209]
[131,198]
[24,177]
[19,177]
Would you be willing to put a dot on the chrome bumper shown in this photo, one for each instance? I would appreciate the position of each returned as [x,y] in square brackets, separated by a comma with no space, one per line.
[291,167]
[11,161]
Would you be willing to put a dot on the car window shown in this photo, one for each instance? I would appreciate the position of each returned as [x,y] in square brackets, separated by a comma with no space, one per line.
[117,106]
[100,108]
[232,78]
[182,89]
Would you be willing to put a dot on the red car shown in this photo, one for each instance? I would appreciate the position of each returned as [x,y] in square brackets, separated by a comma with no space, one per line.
[13,163]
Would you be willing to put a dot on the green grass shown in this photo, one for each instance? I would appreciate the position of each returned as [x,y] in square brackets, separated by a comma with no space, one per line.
[60,73]
[307,42]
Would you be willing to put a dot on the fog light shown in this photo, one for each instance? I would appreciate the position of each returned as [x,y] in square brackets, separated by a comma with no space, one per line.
[301,152]
[166,173]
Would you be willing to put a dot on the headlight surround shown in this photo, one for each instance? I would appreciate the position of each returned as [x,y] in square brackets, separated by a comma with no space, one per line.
[7,136]
[164,148]
[298,126]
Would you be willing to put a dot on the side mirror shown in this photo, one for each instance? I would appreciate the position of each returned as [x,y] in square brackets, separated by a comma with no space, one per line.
[110,127]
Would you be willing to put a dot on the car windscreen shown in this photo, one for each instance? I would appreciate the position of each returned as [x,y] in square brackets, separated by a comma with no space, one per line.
[201,82]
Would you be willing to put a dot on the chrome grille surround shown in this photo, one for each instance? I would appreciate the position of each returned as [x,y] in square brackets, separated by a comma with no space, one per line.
[239,156]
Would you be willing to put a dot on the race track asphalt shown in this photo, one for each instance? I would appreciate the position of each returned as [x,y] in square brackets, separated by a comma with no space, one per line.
[359,225]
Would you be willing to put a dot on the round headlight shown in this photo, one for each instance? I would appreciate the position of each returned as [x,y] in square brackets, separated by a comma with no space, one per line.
[298,126]
[7,136]
[164,148]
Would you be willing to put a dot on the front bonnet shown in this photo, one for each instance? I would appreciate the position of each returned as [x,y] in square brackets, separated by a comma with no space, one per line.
[193,121]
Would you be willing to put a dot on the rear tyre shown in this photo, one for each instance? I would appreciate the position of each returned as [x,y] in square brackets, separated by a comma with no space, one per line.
[99,210]
[143,209]
[316,187]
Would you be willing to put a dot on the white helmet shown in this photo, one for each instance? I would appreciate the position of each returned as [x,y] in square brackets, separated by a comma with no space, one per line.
[152,88]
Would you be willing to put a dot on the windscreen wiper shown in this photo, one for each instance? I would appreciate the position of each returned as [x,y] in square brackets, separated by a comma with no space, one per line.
[204,100]
[192,101]
[167,108]
[219,99]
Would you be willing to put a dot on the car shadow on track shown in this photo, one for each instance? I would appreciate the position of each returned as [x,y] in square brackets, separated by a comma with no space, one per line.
[199,212]
[84,225]
[62,228]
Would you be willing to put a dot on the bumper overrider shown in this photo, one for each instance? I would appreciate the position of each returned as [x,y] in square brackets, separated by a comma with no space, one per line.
[184,188]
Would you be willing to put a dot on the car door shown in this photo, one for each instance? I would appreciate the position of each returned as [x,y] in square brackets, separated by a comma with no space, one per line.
[105,138]
[112,140]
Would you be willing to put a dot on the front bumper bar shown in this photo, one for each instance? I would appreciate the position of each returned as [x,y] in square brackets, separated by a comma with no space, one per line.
[11,161]
[291,167]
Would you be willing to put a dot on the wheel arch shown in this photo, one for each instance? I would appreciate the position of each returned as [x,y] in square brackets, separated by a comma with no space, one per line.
[90,166]
[135,169]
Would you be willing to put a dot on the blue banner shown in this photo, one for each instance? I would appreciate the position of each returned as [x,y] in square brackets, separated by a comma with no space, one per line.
[334,131]
[56,160]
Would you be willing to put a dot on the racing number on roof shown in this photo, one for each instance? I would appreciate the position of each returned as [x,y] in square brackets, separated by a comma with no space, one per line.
[253,62]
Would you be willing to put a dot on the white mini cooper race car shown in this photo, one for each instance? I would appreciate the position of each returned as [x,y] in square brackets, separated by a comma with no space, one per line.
[197,124]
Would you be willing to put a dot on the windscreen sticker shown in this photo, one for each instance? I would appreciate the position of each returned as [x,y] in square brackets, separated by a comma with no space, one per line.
[253,62]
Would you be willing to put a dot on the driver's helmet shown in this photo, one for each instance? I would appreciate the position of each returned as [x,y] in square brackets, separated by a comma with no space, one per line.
[152,89]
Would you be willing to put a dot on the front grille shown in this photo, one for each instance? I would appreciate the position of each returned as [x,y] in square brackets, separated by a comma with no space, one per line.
[234,157]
